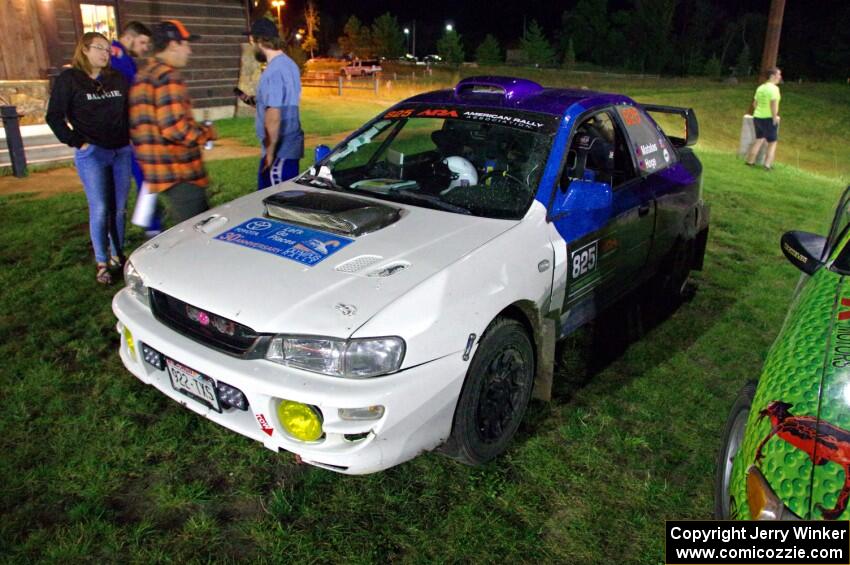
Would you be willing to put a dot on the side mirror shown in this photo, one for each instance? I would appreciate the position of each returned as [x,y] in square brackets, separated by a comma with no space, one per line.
[321,152]
[803,249]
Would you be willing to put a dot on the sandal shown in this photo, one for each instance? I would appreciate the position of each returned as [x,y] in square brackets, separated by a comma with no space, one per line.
[117,262]
[103,275]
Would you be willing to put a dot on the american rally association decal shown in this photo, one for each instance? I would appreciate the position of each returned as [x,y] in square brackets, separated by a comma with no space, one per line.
[297,243]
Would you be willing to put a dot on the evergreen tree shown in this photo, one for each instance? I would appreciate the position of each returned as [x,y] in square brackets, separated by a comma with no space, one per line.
[489,53]
[712,67]
[743,64]
[535,47]
[356,39]
[450,48]
[569,61]
[387,37]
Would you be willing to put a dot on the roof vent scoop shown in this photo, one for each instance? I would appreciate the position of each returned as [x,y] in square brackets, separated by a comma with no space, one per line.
[331,212]
[511,89]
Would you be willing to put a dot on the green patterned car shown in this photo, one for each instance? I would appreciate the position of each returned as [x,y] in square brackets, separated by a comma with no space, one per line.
[786,447]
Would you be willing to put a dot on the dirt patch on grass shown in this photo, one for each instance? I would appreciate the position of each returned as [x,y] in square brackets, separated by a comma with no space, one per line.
[43,184]
[61,180]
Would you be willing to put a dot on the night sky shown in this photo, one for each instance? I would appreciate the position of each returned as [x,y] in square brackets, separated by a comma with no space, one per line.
[815,39]
[473,19]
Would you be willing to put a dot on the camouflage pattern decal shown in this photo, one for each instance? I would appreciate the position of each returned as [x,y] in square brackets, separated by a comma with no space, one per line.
[792,374]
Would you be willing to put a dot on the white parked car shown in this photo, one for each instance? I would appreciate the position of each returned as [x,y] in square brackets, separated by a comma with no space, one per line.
[407,291]
[360,67]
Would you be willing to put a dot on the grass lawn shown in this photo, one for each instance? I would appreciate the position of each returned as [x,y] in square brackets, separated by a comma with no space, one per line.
[97,466]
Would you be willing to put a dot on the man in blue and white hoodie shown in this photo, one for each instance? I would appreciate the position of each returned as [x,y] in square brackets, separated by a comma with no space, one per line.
[134,42]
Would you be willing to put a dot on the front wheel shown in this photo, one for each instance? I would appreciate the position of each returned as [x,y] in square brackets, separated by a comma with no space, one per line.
[725,506]
[495,394]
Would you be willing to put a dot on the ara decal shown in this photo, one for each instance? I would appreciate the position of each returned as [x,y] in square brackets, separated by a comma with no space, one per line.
[264,424]
[821,441]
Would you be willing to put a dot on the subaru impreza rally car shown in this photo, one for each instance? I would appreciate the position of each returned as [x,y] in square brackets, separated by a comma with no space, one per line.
[407,291]
[786,448]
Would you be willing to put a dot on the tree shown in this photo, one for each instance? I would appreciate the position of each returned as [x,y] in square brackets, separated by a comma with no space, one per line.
[744,62]
[591,25]
[569,60]
[297,54]
[387,37]
[712,67]
[535,47]
[450,48]
[489,53]
[311,17]
[356,39]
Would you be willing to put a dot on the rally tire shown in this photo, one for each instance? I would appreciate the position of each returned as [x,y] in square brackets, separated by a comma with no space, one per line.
[673,286]
[733,438]
[495,394]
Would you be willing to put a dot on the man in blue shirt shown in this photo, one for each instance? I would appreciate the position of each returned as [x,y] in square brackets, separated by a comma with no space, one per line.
[135,41]
[278,123]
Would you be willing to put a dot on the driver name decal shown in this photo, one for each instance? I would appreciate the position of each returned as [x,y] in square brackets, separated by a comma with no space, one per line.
[304,245]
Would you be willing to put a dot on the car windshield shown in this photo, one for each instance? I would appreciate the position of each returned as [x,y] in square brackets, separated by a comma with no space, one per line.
[840,221]
[479,162]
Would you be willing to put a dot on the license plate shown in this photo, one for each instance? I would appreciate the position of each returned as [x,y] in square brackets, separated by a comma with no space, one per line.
[193,384]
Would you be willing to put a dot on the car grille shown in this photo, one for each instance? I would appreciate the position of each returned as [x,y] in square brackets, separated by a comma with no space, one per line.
[205,327]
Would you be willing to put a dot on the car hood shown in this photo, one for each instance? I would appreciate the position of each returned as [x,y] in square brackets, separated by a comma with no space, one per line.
[274,294]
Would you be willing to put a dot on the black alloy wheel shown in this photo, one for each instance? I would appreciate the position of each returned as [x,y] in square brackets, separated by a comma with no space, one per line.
[495,394]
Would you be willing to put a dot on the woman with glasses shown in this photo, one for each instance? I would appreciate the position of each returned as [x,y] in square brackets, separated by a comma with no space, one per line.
[92,98]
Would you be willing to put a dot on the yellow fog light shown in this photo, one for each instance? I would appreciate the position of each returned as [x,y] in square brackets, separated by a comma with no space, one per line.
[131,344]
[301,421]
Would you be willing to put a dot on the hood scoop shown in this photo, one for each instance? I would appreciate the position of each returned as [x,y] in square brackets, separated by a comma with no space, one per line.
[336,213]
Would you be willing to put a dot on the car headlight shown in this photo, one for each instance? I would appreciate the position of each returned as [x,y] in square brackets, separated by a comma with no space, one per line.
[764,503]
[133,281]
[351,358]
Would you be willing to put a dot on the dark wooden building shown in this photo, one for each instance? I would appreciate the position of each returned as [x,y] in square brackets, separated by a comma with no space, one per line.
[37,37]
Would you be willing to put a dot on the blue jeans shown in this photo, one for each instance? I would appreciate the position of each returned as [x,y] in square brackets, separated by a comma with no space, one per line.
[106,179]
[281,170]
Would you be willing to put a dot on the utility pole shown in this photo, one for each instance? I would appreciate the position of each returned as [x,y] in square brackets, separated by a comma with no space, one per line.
[771,36]
[413,51]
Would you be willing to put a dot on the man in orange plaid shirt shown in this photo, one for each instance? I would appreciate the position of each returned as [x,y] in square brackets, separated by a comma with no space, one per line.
[167,139]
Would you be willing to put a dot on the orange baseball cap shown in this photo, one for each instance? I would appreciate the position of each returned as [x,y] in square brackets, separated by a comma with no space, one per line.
[172,29]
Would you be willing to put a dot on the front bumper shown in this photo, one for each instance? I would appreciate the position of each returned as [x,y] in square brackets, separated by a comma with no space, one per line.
[419,402]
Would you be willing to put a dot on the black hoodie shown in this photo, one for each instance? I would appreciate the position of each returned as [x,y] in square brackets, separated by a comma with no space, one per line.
[96,109]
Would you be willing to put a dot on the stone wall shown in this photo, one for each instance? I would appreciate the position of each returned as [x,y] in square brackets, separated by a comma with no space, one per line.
[30,97]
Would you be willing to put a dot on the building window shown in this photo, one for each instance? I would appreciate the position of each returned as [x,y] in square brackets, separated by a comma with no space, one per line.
[99,18]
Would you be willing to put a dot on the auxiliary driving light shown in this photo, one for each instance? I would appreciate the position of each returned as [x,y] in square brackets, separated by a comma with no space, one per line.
[153,357]
[131,343]
[301,421]
[232,397]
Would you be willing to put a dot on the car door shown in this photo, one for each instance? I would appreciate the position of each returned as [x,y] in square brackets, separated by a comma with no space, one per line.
[673,190]
[605,213]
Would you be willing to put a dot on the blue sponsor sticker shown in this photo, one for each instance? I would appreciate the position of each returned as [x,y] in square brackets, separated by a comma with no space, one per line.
[304,245]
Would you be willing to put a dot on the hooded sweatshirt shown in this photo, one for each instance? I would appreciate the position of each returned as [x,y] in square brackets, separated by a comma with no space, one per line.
[96,109]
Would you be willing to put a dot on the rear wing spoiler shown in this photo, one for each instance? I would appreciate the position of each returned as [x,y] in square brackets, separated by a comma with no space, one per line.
[691,123]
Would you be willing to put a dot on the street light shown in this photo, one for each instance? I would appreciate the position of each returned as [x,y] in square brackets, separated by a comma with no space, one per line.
[279,4]
[449,27]
[407,38]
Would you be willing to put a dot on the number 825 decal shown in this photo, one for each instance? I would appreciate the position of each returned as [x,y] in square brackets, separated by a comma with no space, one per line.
[583,260]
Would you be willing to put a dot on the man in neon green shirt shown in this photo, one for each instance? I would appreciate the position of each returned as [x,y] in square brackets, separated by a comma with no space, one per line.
[766,118]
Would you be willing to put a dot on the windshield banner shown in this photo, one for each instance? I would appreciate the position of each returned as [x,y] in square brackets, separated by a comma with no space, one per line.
[529,121]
